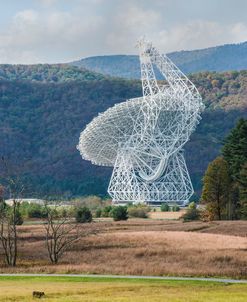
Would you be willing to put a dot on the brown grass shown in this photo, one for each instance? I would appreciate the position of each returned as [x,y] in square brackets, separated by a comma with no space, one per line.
[166,215]
[143,247]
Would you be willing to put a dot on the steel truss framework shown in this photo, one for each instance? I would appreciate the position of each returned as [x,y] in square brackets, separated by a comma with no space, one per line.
[143,138]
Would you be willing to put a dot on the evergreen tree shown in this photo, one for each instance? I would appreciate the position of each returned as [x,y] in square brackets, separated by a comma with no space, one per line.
[235,148]
[243,191]
[234,205]
[216,192]
[235,153]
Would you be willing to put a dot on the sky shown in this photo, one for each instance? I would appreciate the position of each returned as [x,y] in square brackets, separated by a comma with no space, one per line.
[56,31]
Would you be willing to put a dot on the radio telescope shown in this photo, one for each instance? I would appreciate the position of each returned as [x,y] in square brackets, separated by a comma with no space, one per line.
[143,138]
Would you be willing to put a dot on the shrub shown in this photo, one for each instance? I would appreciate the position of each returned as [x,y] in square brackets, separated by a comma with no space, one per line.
[64,213]
[23,208]
[119,213]
[191,214]
[106,211]
[98,213]
[91,202]
[175,208]
[164,207]
[18,218]
[192,205]
[3,207]
[83,215]
[36,211]
[138,211]
[206,215]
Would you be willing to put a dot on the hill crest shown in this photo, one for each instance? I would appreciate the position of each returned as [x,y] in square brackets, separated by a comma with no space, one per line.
[219,58]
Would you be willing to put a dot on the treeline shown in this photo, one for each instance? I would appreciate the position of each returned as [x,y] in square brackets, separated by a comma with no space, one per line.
[54,73]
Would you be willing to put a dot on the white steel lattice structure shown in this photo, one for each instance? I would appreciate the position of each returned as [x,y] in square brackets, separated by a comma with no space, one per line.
[142,138]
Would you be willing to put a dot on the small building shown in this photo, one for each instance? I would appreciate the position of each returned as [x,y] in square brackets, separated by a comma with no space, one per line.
[28,200]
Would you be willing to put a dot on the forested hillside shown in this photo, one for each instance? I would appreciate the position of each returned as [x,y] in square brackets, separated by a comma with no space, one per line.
[54,73]
[40,123]
[220,58]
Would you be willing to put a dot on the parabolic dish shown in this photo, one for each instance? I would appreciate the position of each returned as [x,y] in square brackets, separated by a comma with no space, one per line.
[100,140]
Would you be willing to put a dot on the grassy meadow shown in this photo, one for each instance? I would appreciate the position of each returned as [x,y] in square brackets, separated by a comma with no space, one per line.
[141,247]
[68,289]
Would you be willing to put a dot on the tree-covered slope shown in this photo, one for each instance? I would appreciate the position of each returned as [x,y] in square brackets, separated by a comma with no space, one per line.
[220,58]
[40,123]
[54,73]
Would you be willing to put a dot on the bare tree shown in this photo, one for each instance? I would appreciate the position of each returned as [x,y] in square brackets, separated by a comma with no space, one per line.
[9,215]
[8,235]
[61,233]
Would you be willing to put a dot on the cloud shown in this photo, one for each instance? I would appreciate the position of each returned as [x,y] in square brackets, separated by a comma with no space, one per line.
[239,32]
[129,24]
[132,22]
[48,2]
[199,34]
[33,36]
[97,27]
[192,35]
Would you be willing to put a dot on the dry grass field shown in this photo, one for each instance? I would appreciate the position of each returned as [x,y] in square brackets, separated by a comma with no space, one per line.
[142,247]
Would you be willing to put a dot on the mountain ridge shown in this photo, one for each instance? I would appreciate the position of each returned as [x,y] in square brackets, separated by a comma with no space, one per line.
[218,58]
